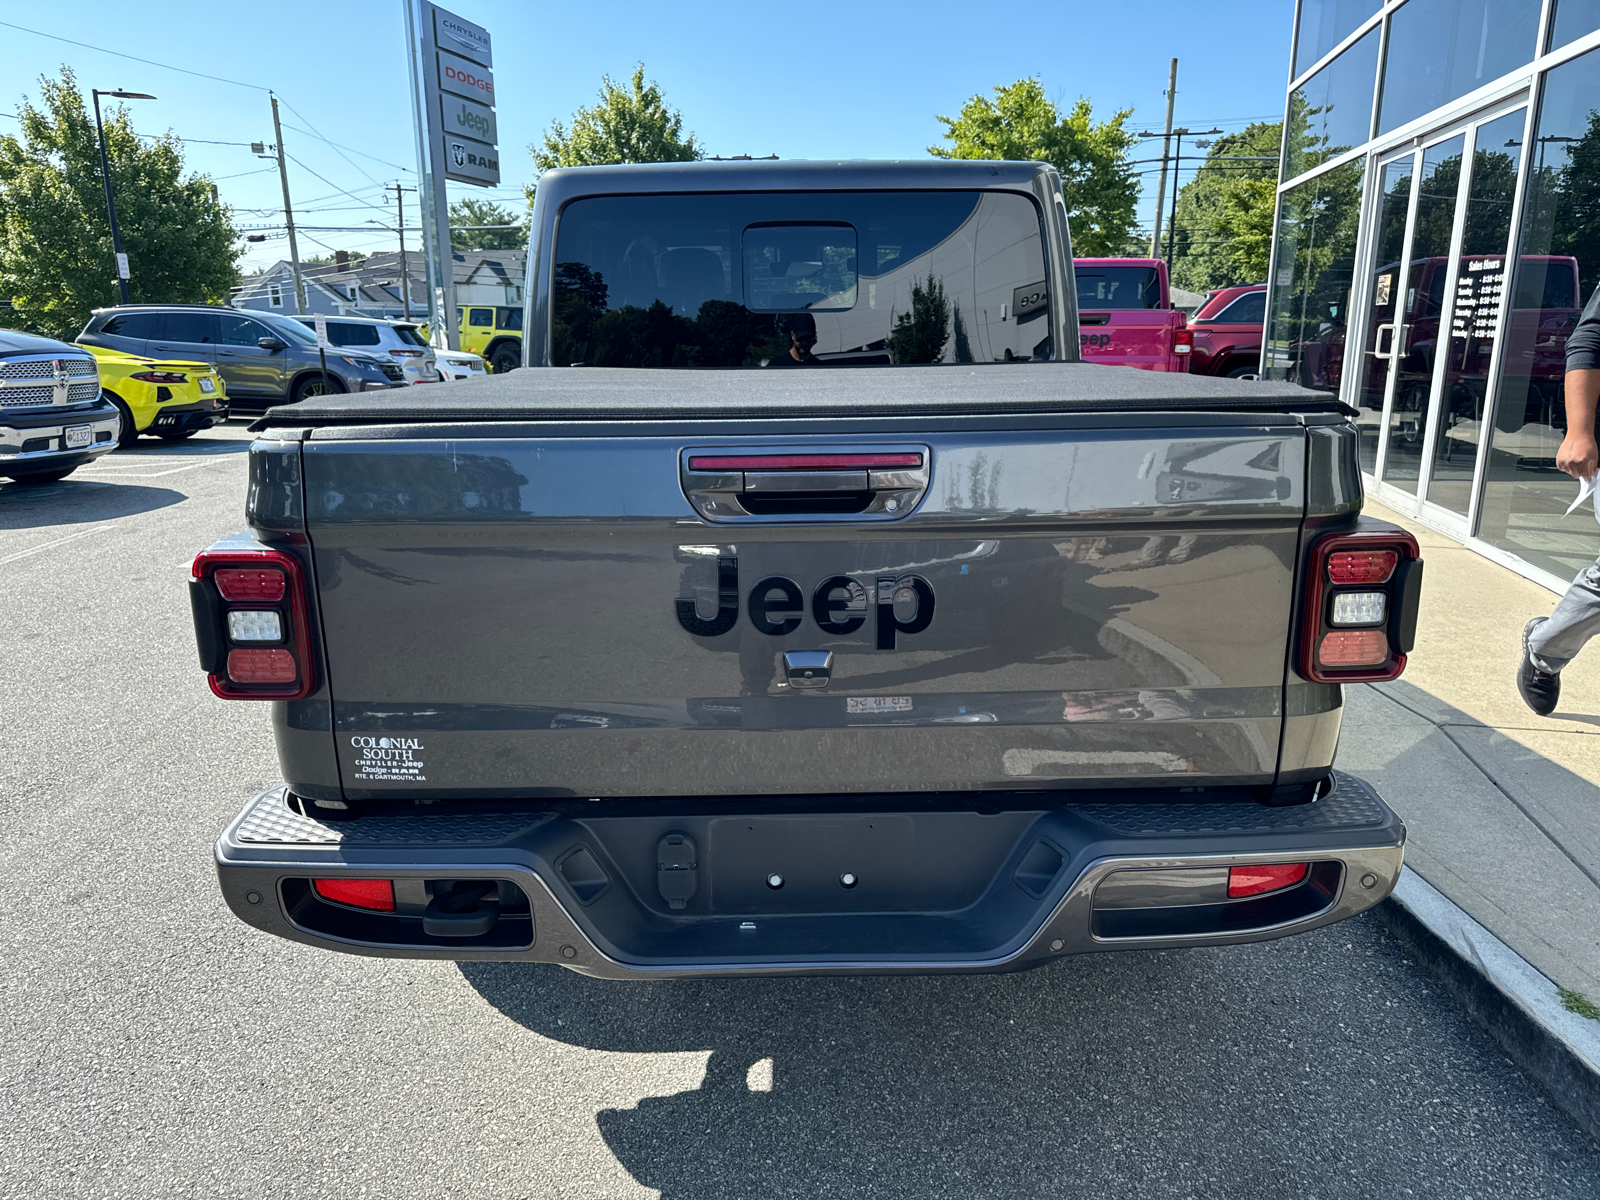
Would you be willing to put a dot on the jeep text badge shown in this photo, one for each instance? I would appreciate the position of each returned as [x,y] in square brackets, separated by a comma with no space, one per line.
[776,605]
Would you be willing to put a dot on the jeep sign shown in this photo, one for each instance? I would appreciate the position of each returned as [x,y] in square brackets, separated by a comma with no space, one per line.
[463,118]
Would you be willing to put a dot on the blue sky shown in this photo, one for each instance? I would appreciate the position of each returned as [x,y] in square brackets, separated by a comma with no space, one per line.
[824,79]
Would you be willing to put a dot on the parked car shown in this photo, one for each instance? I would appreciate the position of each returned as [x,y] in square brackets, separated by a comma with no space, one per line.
[53,418]
[398,339]
[494,331]
[1227,332]
[1126,316]
[459,364]
[171,400]
[953,668]
[263,358]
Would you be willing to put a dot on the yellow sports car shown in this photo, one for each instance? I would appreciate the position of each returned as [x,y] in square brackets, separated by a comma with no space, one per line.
[170,400]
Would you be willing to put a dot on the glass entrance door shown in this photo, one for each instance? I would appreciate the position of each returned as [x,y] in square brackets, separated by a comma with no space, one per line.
[1434,311]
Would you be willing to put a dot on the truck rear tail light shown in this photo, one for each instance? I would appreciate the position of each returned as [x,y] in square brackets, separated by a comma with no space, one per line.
[261,666]
[1362,566]
[228,591]
[255,625]
[1267,877]
[1353,648]
[1358,608]
[1373,578]
[1183,341]
[374,894]
[247,585]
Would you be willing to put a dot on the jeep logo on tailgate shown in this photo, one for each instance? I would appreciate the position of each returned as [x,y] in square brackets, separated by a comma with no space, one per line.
[839,605]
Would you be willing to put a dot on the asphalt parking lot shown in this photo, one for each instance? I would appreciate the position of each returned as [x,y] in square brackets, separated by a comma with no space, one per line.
[151,1045]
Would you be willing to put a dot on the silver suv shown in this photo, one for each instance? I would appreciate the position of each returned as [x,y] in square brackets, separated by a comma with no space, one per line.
[263,358]
[398,339]
[53,418]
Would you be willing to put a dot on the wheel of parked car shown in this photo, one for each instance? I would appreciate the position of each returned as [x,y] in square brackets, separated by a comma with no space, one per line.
[127,432]
[311,385]
[505,358]
[1248,372]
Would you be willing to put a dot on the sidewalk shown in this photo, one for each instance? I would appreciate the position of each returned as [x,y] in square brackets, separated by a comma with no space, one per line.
[1502,806]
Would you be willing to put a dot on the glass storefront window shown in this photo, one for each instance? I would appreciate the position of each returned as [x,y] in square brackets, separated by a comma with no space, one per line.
[1442,49]
[1394,205]
[1474,317]
[1557,268]
[1316,253]
[1323,25]
[1573,19]
[1332,111]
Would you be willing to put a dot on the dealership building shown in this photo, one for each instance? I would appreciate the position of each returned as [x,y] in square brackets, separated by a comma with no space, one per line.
[1427,145]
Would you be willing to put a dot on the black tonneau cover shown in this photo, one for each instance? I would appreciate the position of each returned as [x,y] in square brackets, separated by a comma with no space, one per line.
[618,394]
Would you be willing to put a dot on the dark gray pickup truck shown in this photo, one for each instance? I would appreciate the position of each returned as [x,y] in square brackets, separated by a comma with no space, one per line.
[880,635]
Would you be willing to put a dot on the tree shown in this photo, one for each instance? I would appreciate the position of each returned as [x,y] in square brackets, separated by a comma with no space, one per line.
[1223,231]
[56,260]
[630,124]
[1021,123]
[472,211]
[355,259]
[920,335]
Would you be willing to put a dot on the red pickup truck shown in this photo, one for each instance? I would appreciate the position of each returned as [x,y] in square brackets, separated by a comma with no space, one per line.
[1227,332]
[1125,315]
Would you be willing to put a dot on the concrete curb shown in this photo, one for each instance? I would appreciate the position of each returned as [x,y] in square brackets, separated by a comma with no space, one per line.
[1514,1003]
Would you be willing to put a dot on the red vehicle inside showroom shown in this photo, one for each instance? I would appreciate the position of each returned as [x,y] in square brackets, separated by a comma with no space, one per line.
[1227,332]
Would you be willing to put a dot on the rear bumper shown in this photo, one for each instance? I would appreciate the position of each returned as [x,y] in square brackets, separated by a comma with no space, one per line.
[951,890]
[197,416]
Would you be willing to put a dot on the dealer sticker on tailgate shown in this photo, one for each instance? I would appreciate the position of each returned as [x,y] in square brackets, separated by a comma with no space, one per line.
[877,704]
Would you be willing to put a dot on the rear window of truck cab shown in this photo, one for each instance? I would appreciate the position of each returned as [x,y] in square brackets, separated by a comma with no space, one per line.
[806,279]
[1101,288]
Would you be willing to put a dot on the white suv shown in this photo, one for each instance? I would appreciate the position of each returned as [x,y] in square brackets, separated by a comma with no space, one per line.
[398,341]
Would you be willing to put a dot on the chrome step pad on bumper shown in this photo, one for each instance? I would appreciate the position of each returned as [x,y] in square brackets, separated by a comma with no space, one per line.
[629,889]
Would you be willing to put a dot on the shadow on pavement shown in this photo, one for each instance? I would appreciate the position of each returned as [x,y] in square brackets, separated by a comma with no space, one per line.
[1267,1069]
[78,502]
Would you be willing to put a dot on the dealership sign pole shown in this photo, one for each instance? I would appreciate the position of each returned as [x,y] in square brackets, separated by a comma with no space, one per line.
[452,96]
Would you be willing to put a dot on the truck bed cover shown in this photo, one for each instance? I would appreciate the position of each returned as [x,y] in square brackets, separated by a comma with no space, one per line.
[623,394]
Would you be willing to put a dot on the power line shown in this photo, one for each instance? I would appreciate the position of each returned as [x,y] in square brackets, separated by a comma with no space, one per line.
[134,57]
[352,149]
[318,134]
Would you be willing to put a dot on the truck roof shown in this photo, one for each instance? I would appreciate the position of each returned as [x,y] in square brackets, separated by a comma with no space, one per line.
[628,394]
[562,183]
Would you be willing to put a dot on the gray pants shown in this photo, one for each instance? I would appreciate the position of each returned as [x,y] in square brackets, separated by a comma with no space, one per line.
[1556,642]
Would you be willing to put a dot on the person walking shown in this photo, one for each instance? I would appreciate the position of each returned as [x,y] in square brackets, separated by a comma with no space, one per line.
[1550,643]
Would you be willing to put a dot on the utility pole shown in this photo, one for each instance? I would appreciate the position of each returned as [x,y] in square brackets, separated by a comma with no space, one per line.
[1161,188]
[400,228]
[1177,163]
[105,174]
[288,211]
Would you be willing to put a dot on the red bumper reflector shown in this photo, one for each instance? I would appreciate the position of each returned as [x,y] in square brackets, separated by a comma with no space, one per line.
[1362,566]
[261,666]
[376,894]
[1354,648]
[801,462]
[250,586]
[1269,877]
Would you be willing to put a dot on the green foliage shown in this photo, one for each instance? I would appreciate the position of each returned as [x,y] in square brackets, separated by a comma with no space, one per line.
[1021,123]
[1223,232]
[472,211]
[327,260]
[920,335]
[1577,1002]
[56,261]
[630,124]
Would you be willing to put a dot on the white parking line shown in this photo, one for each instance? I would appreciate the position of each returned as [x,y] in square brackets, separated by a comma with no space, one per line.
[122,470]
[71,537]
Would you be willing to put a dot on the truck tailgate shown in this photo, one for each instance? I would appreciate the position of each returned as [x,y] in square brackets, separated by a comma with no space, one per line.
[1132,338]
[539,615]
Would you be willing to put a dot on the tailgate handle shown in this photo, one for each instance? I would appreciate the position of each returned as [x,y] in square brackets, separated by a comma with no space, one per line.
[781,483]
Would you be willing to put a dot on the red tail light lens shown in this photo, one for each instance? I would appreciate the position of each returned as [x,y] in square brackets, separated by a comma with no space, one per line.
[1268,877]
[261,666]
[374,894]
[250,586]
[1182,341]
[228,591]
[159,376]
[1362,566]
[1354,648]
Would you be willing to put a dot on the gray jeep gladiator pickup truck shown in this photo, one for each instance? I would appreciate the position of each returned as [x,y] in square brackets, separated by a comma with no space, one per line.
[777,663]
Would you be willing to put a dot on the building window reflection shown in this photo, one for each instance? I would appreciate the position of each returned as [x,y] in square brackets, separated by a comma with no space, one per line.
[1573,19]
[1323,25]
[1557,268]
[1332,111]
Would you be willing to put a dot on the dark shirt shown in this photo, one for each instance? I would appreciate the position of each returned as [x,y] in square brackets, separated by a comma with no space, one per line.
[788,360]
[1583,347]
